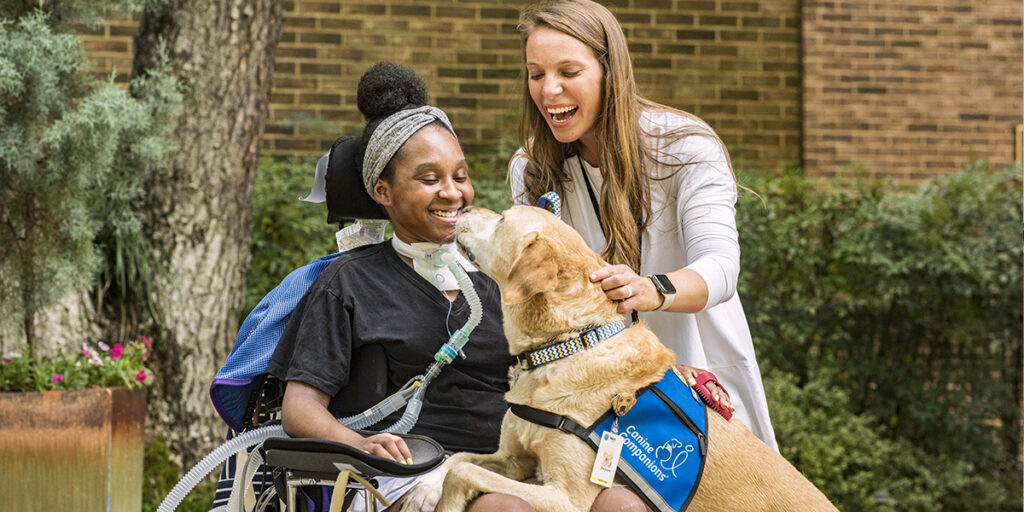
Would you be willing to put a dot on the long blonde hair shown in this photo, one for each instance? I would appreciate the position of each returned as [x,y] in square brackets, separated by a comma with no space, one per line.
[625,194]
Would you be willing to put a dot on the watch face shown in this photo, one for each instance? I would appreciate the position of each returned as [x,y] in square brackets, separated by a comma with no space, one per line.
[663,283]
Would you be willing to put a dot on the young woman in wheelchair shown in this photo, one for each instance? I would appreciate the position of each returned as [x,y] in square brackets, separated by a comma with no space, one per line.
[379,297]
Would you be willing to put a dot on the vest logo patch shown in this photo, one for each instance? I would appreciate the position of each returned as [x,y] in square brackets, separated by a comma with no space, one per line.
[670,458]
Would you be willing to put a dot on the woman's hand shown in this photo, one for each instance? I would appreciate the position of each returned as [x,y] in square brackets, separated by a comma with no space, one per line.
[304,414]
[630,290]
[633,291]
[388,446]
[717,394]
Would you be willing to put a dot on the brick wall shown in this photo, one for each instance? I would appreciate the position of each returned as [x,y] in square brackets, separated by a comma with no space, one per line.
[734,63]
[910,89]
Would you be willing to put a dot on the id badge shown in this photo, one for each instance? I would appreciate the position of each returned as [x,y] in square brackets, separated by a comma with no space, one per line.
[607,459]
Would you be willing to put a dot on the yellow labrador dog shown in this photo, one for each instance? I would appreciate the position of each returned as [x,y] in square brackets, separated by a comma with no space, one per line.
[542,267]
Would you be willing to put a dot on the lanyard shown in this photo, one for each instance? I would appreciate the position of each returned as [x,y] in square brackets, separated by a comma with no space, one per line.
[597,212]
[590,191]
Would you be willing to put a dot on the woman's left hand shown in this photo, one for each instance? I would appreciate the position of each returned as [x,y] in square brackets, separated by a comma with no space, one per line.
[716,392]
[630,290]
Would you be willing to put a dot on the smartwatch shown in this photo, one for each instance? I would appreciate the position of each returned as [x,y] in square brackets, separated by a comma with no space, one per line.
[664,285]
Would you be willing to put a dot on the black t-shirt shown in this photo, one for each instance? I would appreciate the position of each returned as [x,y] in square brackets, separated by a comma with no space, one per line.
[370,296]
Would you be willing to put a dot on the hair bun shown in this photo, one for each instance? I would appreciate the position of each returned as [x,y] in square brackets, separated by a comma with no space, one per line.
[386,88]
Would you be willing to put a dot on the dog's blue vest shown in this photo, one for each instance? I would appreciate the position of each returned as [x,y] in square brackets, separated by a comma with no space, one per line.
[665,441]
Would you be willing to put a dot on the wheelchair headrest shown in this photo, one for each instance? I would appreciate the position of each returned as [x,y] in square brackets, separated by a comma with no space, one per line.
[346,196]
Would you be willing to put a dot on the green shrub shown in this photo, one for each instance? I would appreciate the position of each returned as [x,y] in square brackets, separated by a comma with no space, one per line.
[72,153]
[286,233]
[160,474]
[908,301]
[492,194]
[850,459]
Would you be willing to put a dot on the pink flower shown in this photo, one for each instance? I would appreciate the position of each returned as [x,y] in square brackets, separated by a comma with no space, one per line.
[115,352]
[95,360]
[141,376]
[8,360]
[147,342]
[85,350]
[103,346]
[57,378]
[145,355]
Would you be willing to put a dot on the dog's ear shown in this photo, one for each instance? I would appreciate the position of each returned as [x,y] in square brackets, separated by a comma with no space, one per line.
[535,270]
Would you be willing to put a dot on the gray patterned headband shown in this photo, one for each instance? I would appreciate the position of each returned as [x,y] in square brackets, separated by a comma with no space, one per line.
[391,133]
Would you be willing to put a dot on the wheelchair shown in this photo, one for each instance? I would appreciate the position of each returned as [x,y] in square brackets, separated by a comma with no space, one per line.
[288,467]
[294,474]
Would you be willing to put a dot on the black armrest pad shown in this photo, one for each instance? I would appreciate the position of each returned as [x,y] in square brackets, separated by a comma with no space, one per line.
[319,456]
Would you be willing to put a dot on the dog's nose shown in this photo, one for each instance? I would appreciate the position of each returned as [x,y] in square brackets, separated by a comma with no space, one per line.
[467,209]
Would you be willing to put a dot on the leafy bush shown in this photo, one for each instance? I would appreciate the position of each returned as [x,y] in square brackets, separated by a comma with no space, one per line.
[160,474]
[910,302]
[286,233]
[849,457]
[492,194]
[72,151]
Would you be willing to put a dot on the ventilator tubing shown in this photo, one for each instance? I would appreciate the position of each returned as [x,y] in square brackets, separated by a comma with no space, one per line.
[446,354]
[254,437]
[415,388]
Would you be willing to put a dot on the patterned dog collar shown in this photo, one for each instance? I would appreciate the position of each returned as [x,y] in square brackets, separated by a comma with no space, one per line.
[563,349]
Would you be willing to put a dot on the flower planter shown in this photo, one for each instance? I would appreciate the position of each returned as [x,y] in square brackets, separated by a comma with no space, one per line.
[72,450]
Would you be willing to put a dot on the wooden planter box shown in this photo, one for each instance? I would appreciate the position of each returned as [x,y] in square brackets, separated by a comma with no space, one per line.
[72,450]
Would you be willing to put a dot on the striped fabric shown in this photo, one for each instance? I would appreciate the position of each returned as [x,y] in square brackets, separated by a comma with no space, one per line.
[571,346]
[227,479]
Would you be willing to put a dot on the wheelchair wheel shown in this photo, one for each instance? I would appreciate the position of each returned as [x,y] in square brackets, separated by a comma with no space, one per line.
[266,499]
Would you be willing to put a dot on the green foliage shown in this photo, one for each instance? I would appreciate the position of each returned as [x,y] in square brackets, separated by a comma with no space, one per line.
[491,163]
[109,366]
[910,303]
[286,233]
[492,194]
[63,13]
[847,455]
[71,152]
[129,270]
[160,474]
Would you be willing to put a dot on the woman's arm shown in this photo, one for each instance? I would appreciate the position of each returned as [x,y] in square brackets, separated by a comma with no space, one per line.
[516,168]
[634,291]
[705,210]
[304,414]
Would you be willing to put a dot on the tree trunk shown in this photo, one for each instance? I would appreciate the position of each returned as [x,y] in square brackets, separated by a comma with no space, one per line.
[199,210]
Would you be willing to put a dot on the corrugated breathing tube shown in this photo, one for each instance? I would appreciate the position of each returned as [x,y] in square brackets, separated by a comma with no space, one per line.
[412,393]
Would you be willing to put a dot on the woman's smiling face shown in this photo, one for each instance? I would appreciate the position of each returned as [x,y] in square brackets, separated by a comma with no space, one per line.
[428,189]
[566,83]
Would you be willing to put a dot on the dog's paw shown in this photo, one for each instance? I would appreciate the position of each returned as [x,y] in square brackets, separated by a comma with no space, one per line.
[424,495]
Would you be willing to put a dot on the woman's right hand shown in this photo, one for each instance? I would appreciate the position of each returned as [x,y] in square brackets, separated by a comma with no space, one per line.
[388,446]
[304,414]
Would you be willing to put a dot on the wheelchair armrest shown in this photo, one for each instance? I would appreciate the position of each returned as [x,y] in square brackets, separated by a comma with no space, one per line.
[319,456]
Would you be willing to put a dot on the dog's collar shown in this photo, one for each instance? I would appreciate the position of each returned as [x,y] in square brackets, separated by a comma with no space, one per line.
[563,349]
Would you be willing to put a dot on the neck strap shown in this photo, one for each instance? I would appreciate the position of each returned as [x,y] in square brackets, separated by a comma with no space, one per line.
[597,212]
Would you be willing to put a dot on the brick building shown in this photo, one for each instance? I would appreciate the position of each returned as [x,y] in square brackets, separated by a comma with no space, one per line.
[906,89]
